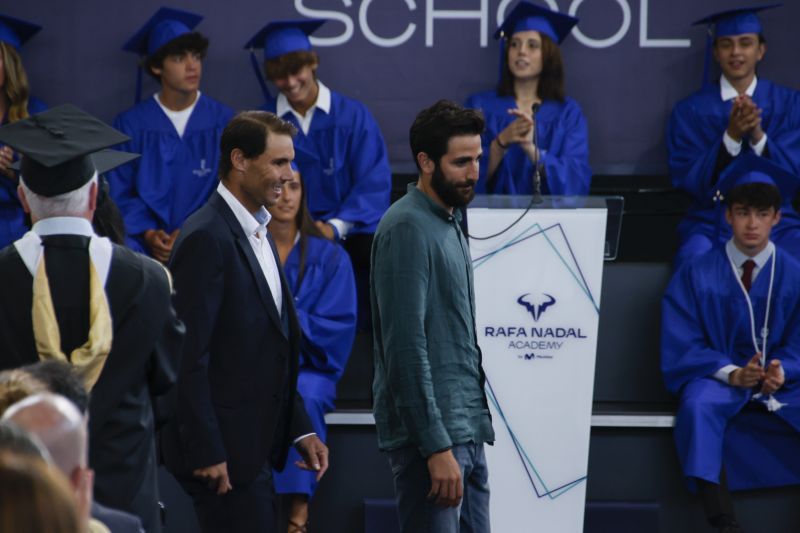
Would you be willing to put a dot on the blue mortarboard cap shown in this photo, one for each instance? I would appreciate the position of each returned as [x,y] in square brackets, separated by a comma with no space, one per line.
[735,21]
[529,17]
[750,168]
[284,36]
[278,38]
[15,31]
[166,25]
[727,23]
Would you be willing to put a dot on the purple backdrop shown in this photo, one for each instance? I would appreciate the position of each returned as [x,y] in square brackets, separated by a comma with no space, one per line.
[627,66]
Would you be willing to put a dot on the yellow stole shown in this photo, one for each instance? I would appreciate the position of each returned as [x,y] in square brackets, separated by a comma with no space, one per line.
[87,360]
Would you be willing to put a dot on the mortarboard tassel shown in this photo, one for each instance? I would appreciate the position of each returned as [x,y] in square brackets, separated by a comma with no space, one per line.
[259,76]
[139,69]
[707,58]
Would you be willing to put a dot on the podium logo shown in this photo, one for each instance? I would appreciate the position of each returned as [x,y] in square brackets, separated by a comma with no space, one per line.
[536,306]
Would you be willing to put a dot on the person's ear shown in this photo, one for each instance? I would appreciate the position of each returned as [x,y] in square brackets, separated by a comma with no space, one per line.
[238,160]
[93,196]
[23,200]
[425,163]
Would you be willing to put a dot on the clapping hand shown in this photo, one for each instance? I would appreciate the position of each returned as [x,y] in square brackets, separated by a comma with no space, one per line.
[774,377]
[745,120]
[748,376]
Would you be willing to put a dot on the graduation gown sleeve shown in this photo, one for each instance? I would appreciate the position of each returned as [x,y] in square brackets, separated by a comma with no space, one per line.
[367,163]
[694,141]
[686,351]
[480,101]
[326,305]
[123,187]
[12,217]
[565,152]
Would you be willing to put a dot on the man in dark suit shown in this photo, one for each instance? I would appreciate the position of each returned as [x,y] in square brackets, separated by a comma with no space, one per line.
[73,296]
[237,406]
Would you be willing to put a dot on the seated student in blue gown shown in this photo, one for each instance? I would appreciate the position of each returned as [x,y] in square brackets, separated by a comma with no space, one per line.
[339,147]
[730,348]
[319,274]
[16,103]
[557,137]
[740,114]
[177,131]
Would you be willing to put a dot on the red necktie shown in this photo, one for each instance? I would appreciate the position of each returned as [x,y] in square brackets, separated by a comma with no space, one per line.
[747,273]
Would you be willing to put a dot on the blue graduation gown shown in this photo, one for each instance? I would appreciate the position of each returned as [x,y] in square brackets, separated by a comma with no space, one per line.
[12,217]
[325,300]
[344,163]
[694,139]
[175,175]
[706,326]
[563,141]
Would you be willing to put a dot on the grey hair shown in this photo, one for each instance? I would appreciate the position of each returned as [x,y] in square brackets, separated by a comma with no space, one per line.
[70,204]
[59,426]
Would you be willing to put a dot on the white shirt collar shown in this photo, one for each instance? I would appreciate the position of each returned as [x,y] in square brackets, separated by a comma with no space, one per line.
[727,92]
[29,246]
[64,226]
[738,257]
[323,102]
[250,222]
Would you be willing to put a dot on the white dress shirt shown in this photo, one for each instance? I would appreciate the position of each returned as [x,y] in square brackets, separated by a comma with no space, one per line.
[728,92]
[738,258]
[323,104]
[255,227]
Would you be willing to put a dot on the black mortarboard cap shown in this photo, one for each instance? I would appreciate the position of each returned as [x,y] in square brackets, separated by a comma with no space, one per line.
[56,146]
[103,161]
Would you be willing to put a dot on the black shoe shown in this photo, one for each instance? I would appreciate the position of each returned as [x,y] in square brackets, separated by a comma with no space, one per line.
[726,524]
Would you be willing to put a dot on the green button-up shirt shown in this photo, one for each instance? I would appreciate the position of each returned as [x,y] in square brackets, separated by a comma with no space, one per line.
[428,384]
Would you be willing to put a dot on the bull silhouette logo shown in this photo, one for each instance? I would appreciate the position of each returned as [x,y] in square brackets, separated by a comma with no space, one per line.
[536,308]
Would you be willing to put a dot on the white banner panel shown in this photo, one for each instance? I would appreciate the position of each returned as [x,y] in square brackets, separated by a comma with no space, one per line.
[537,291]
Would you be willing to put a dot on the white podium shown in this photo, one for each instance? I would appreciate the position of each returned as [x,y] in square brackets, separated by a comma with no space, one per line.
[537,291]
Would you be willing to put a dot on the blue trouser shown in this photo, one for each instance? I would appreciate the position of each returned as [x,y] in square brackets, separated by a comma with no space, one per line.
[412,483]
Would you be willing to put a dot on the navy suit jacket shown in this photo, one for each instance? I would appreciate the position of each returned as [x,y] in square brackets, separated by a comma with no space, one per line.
[236,398]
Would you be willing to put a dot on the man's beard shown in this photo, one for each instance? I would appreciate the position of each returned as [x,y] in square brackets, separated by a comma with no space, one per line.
[452,194]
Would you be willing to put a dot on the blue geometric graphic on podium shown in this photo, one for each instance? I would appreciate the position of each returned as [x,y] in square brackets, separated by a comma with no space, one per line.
[570,262]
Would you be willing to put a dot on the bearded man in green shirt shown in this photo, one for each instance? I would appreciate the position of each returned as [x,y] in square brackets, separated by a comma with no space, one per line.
[430,408]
